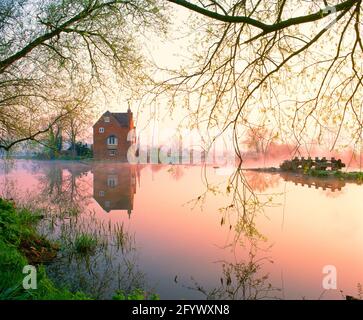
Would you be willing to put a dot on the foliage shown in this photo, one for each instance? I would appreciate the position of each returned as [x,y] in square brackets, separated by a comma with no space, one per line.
[318,173]
[356,176]
[136,294]
[82,151]
[17,225]
[349,176]
[54,54]
[265,64]
[85,244]
[11,265]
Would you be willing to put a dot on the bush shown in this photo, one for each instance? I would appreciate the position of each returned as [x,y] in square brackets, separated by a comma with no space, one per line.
[319,173]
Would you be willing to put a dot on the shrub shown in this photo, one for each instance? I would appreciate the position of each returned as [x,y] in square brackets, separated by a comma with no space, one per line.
[319,173]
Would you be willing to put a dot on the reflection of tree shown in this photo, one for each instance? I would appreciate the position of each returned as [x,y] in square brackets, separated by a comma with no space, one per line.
[332,194]
[176,172]
[9,188]
[156,167]
[10,183]
[330,184]
[242,280]
[261,181]
[64,195]
[63,188]
[244,277]
[7,165]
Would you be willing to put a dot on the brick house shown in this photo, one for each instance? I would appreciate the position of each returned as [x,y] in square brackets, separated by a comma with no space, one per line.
[112,137]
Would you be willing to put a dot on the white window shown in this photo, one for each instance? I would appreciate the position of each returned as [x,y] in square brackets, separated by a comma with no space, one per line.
[101,130]
[107,204]
[107,119]
[112,140]
[101,193]
[112,152]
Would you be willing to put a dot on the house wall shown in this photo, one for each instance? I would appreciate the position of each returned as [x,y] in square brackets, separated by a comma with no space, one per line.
[101,151]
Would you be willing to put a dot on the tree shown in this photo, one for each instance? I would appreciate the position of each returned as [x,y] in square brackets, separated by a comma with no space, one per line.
[256,139]
[55,141]
[49,48]
[293,65]
[73,131]
[302,67]
[77,122]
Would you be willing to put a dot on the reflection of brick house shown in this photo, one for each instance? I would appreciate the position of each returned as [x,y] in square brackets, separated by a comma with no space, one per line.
[114,187]
[111,135]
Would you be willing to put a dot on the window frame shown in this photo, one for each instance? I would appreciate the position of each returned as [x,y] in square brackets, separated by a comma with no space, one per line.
[115,140]
[112,181]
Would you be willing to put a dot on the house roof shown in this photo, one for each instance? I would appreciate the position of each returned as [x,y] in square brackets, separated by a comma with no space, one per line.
[122,118]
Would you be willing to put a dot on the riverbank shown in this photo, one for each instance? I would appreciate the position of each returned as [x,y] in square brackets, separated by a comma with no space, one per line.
[21,245]
[354,176]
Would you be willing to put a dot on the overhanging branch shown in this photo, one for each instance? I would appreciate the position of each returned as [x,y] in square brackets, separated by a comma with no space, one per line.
[266,28]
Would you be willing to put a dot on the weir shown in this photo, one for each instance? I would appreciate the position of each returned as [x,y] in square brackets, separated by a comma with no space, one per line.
[297,164]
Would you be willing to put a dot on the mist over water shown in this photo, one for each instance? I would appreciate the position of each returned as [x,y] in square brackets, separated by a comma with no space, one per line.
[177,240]
[277,153]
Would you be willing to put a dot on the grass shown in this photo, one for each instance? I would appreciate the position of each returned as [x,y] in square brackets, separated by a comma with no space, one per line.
[355,176]
[85,244]
[136,294]
[19,244]
[318,173]
[349,176]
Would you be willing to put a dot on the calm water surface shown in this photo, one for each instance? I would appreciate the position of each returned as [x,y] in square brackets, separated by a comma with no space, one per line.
[178,241]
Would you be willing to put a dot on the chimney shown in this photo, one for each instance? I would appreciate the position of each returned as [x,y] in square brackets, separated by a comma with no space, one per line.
[129,113]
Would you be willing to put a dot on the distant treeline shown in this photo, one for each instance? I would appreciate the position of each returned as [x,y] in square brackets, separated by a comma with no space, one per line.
[76,151]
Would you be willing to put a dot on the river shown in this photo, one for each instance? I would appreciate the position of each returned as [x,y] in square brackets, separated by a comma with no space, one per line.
[183,233]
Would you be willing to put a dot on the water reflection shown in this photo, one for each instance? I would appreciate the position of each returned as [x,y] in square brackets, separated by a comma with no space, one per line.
[228,255]
[114,186]
[242,280]
[261,181]
[63,192]
[326,184]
